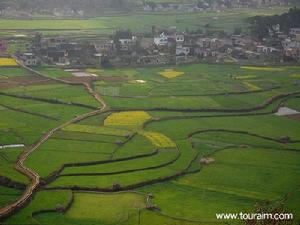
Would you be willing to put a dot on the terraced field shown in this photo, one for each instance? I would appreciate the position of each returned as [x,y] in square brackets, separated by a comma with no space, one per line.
[171,148]
[136,21]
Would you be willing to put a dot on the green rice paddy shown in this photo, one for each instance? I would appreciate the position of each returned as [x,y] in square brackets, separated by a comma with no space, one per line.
[230,152]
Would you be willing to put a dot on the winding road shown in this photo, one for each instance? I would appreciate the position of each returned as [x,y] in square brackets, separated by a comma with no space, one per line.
[32,175]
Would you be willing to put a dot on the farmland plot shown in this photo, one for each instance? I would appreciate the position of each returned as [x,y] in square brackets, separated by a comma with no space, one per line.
[7,62]
[131,119]
[8,195]
[194,164]
[55,153]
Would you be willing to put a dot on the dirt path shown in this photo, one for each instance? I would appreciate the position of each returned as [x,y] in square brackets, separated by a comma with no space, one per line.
[32,175]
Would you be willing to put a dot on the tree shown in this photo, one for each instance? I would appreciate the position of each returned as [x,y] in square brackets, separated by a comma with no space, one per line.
[37,40]
[237,31]
[260,25]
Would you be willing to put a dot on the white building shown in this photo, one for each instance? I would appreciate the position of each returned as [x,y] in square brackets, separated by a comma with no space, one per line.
[288,43]
[266,50]
[179,38]
[126,44]
[29,59]
[294,31]
[180,50]
[161,40]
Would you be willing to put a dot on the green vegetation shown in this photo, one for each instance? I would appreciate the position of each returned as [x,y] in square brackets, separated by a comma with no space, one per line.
[128,203]
[189,164]
[8,158]
[163,157]
[44,200]
[8,195]
[55,153]
[100,209]
[97,130]
[54,72]
[261,24]
[12,72]
[227,20]
[66,93]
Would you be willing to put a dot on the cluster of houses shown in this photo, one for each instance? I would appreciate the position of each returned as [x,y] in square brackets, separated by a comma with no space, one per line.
[59,51]
[291,45]
[168,46]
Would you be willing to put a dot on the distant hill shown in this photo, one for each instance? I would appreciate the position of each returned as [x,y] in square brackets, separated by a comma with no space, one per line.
[94,7]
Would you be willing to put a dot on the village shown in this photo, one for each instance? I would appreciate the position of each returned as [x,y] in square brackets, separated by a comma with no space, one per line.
[162,47]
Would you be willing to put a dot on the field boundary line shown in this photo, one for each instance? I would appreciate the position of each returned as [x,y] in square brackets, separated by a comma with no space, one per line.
[240,132]
[182,172]
[28,112]
[56,173]
[50,101]
[225,110]
[125,171]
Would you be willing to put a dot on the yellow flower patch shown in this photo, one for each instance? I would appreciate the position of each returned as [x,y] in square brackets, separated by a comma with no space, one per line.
[171,73]
[251,86]
[91,70]
[96,130]
[133,118]
[8,62]
[270,69]
[228,60]
[245,77]
[295,75]
[158,139]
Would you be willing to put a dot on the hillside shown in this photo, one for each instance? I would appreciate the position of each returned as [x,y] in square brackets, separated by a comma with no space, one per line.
[95,7]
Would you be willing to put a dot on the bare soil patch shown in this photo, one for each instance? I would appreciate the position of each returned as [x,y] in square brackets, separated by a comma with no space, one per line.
[294,117]
[86,79]
[83,74]
[112,78]
[206,160]
[24,81]
[285,111]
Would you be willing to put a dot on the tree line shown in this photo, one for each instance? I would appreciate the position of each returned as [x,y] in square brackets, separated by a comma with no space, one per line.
[261,25]
[76,5]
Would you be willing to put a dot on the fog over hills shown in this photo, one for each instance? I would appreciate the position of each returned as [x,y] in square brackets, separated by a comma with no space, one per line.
[94,6]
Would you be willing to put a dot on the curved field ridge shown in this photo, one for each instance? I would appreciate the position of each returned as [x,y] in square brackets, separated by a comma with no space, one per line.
[167,158]
[224,110]
[241,132]
[56,173]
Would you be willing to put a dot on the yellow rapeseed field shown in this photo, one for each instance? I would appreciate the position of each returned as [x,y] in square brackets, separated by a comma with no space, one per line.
[251,86]
[245,77]
[270,69]
[7,62]
[96,130]
[169,73]
[133,118]
[295,75]
[158,139]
